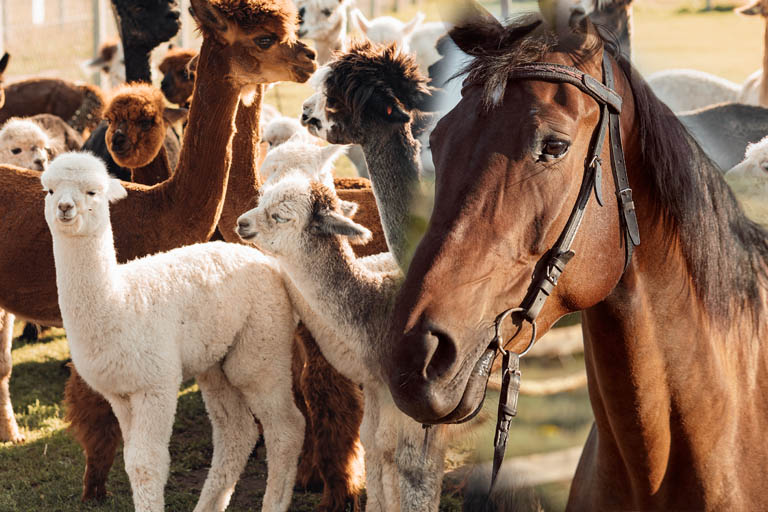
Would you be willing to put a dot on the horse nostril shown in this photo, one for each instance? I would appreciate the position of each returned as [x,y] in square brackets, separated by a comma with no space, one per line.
[443,356]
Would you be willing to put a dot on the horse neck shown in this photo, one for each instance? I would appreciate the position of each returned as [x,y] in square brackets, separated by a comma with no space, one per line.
[661,369]
[156,171]
[193,196]
[394,168]
[244,178]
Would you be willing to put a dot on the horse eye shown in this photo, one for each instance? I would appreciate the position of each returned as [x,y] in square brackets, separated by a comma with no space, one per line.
[554,149]
[326,12]
[16,151]
[264,42]
[279,219]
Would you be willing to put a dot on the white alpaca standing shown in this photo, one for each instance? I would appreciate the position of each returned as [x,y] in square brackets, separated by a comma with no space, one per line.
[216,311]
[325,22]
[281,128]
[688,89]
[299,154]
[24,144]
[345,303]
[749,182]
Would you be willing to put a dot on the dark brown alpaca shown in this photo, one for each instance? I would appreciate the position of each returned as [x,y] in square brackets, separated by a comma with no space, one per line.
[138,123]
[148,220]
[178,78]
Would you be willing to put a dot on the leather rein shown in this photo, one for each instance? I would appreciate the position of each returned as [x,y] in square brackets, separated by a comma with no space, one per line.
[545,280]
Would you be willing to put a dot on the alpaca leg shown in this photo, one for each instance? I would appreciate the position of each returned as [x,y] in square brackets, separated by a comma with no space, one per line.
[420,468]
[146,454]
[95,428]
[283,436]
[374,460]
[307,476]
[234,436]
[335,412]
[9,430]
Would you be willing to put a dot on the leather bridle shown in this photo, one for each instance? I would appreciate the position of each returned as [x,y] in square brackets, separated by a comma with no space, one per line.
[544,281]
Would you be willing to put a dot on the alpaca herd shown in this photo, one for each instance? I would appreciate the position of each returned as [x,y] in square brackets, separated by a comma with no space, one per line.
[231,254]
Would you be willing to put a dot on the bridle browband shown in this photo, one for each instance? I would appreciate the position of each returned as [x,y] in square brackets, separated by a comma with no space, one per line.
[545,280]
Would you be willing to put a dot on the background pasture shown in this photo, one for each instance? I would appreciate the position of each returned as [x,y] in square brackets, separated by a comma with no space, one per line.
[45,472]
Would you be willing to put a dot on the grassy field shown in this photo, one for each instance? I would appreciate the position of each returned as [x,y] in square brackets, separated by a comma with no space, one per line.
[45,472]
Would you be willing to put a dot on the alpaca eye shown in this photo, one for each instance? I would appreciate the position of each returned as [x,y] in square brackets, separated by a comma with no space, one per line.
[146,124]
[265,42]
[91,193]
[327,12]
[16,151]
[279,219]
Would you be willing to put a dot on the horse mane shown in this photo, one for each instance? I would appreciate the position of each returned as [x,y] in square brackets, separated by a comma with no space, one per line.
[726,253]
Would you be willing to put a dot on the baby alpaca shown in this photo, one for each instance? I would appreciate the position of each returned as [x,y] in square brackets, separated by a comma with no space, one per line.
[749,181]
[215,311]
[24,144]
[345,303]
[315,162]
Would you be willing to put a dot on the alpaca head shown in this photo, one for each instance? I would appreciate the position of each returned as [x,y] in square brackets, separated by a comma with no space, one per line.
[25,144]
[259,40]
[750,177]
[387,30]
[321,19]
[137,118]
[147,23]
[295,216]
[364,94]
[78,192]
[299,155]
[178,79]
[755,8]
[110,61]
[281,129]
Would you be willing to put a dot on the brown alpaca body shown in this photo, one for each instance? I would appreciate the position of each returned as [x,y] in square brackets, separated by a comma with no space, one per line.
[182,210]
[80,104]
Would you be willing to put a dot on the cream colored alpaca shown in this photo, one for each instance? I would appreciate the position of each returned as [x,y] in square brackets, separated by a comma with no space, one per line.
[24,144]
[299,154]
[325,22]
[216,311]
[345,303]
[386,29]
[281,128]
[749,182]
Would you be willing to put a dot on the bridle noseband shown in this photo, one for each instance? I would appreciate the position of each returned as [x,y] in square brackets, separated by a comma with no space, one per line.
[544,281]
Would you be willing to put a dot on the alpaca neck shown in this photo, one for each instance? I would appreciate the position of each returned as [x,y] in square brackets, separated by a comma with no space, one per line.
[156,171]
[335,40]
[393,163]
[86,268]
[763,93]
[200,180]
[244,178]
[332,292]
[137,64]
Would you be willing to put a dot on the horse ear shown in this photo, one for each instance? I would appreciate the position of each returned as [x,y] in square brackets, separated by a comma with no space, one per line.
[752,9]
[174,115]
[4,62]
[360,21]
[333,223]
[476,29]
[412,25]
[208,16]
[115,190]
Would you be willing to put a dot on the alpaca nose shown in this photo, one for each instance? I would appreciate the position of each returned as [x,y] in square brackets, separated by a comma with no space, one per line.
[243,224]
[64,207]
[40,163]
[309,53]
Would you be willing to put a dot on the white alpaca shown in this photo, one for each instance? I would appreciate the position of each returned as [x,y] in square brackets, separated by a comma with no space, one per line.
[424,44]
[24,144]
[216,311]
[386,29]
[687,89]
[281,128]
[345,303]
[325,22]
[749,182]
[300,154]
[110,63]
[754,91]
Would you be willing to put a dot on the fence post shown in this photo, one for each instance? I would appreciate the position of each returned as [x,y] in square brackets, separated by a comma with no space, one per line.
[99,33]
[504,9]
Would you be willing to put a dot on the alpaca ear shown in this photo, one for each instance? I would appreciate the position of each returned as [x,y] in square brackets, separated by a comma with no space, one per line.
[752,9]
[174,115]
[191,67]
[348,208]
[208,16]
[412,25]
[389,110]
[360,21]
[115,190]
[4,62]
[333,223]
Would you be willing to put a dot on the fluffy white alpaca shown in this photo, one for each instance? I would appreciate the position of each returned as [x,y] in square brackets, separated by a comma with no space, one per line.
[24,144]
[687,89]
[345,303]
[386,29]
[325,22]
[216,311]
[749,181]
[424,44]
[281,128]
[299,154]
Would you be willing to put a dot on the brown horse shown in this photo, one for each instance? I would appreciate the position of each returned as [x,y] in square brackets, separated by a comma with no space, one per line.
[672,344]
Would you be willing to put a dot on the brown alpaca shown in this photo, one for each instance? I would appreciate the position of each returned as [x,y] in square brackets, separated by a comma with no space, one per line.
[178,79]
[78,104]
[138,123]
[244,41]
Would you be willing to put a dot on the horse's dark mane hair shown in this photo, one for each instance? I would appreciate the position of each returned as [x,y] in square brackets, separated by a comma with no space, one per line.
[725,253]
